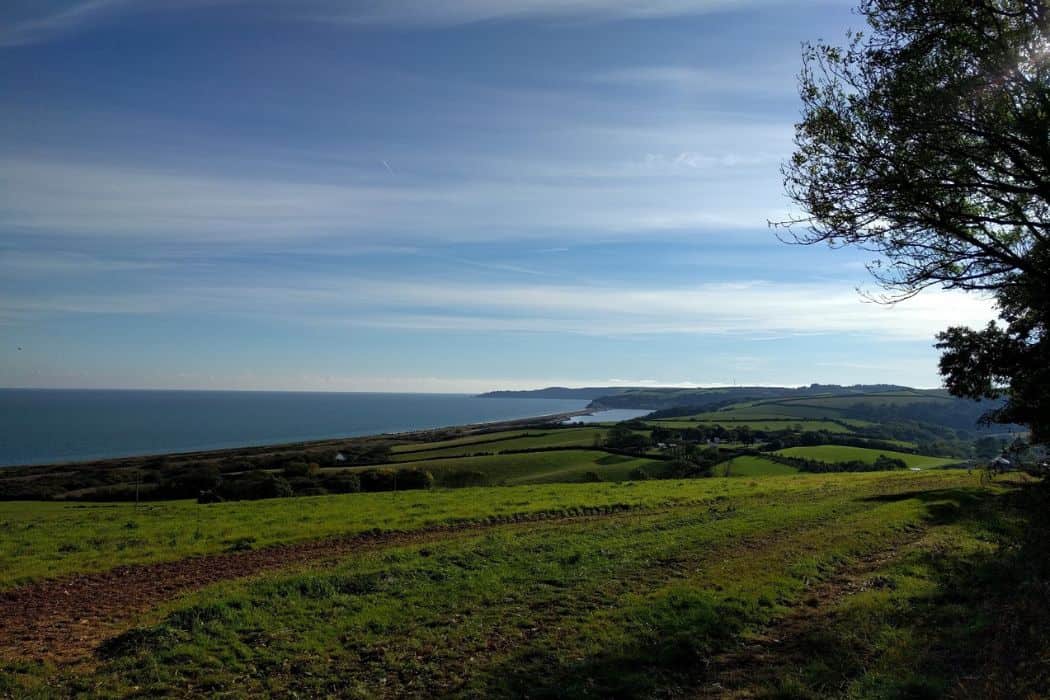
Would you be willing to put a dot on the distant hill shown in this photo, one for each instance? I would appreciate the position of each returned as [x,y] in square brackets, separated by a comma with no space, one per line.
[557,392]
[655,398]
[870,402]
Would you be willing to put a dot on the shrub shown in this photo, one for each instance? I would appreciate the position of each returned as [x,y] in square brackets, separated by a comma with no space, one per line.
[300,469]
[688,469]
[414,479]
[190,481]
[341,482]
[884,462]
[639,474]
[255,485]
[306,486]
[395,480]
[378,480]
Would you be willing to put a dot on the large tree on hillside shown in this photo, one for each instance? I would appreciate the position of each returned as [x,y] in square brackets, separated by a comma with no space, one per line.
[926,141]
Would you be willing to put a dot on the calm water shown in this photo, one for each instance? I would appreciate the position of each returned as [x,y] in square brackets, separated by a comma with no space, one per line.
[40,426]
[613,415]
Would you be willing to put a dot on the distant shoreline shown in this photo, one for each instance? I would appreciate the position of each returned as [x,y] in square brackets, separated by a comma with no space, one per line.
[248,450]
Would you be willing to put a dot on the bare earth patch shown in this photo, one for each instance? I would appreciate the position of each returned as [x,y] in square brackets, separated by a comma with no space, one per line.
[65,619]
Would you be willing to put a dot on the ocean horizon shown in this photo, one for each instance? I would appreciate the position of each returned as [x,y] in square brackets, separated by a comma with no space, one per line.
[42,426]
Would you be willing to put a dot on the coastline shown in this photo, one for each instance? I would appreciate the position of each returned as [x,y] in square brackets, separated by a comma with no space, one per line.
[424,435]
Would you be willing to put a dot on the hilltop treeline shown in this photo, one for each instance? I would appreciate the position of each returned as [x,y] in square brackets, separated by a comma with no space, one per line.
[814,466]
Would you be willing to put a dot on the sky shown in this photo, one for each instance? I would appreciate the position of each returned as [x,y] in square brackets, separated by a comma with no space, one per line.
[409,195]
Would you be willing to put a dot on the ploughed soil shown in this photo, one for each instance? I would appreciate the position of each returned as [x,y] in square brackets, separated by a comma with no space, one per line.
[65,619]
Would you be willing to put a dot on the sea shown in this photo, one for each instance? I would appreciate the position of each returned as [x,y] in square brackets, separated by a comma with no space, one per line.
[40,426]
[612,415]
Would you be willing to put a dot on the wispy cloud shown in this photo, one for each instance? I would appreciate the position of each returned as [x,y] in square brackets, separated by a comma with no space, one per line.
[455,12]
[56,19]
[50,21]
[747,309]
[106,201]
[765,80]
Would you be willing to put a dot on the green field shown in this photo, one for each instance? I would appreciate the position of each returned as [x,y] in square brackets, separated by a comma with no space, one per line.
[51,539]
[774,425]
[539,467]
[653,601]
[816,407]
[889,398]
[842,453]
[748,465]
[499,442]
[770,411]
[544,583]
[460,441]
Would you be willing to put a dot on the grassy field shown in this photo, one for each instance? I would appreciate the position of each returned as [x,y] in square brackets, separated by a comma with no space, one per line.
[816,407]
[52,539]
[541,467]
[770,411]
[748,465]
[499,442]
[892,399]
[842,453]
[773,425]
[650,602]
[778,584]
[460,441]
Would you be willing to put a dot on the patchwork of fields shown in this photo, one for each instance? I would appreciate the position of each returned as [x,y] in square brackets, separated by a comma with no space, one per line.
[540,467]
[843,453]
[751,465]
[584,567]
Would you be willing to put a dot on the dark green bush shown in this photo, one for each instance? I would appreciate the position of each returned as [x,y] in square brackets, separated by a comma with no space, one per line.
[395,480]
[299,469]
[255,485]
[341,482]
[639,474]
[414,479]
[189,481]
[378,480]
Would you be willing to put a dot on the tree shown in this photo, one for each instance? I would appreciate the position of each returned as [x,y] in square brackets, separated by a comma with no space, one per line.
[927,143]
[621,437]
[988,447]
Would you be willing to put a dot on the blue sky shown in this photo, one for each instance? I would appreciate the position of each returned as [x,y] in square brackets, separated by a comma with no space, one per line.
[411,195]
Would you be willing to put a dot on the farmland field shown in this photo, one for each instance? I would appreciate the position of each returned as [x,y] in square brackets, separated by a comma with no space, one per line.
[461,441]
[842,453]
[769,425]
[499,442]
[589,590]
[748,465]
[572,572]
[539,467]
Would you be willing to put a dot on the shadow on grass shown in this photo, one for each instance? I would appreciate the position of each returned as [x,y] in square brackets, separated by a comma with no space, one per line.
[979,627]
[947,506]
[665,645]
[970,629]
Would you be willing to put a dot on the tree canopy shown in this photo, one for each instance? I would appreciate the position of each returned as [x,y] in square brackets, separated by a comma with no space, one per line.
[926,141]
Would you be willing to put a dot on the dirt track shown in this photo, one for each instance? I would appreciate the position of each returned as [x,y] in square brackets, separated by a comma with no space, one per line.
[750,671]
[65,619]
